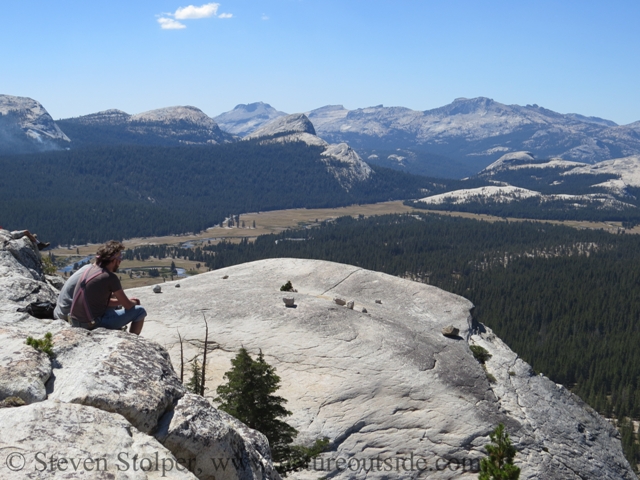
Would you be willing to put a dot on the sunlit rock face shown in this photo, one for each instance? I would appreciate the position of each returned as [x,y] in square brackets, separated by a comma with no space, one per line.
[385,384]
[340,159]
[108,399]
[26,127]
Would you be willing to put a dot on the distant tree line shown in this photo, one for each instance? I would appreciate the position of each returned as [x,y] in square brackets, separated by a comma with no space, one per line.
[101,193]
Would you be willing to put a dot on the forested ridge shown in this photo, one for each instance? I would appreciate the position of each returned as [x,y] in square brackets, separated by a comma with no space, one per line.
[550,181]
[100,193]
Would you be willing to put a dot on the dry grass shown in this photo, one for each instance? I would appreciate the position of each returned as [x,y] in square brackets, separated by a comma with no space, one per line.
[279,220]
[266,222]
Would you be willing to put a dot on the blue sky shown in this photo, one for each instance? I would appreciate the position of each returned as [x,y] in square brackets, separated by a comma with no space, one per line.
[80,57]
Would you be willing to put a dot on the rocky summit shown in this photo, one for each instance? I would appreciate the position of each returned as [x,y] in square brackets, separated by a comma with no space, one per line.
[171,126]
[379,365]
[245,119]
[26,127]
[340,159]
[364,362]
[109,405]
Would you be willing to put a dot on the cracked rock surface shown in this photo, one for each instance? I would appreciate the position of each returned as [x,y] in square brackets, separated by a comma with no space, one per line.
[62,440]
[385,384]
[215,441]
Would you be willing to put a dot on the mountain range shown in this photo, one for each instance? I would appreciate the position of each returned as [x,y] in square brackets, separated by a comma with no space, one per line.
[170,126]
[519,185]
[453,141]
[469,133]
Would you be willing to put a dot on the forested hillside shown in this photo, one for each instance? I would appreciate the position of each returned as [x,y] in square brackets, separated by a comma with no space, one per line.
[96,194]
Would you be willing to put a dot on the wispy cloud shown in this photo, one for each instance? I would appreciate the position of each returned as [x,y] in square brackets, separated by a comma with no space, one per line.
[265,16]
[170,24]
[192,12]
[169,21]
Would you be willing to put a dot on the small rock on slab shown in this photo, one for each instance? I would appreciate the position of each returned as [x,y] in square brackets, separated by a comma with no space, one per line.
[450,331]
[339,301]
[379,301]
[289,302]
[350,304]
[157,289]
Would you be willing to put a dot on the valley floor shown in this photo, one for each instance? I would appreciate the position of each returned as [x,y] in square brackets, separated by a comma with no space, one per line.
[277,221]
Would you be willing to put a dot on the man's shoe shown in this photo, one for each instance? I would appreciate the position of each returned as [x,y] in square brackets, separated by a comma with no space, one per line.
[43,245]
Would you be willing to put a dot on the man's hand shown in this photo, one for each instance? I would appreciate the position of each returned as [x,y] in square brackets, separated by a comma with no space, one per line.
[135,300]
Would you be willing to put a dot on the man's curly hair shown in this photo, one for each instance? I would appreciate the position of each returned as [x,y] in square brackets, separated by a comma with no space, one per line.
[107,252]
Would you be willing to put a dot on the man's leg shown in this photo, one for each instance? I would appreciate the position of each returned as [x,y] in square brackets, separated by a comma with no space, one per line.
[136,327]
[116,319]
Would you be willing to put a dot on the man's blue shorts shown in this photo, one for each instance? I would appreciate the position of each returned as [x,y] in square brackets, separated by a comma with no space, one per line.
[115,319]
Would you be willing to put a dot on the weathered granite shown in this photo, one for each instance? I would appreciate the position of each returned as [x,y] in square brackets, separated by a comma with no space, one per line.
[112,370]
[61,440]
[222,448]
[566,436]
[116,372]
[386,384]
[22,280]
[23,370]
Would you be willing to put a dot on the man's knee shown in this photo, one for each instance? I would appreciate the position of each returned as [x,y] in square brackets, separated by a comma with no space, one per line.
[141,314]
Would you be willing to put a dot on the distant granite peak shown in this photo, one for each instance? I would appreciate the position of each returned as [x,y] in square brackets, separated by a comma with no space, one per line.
[176,114]
[26,127]
[179,125]
[296,123]
[340,159]
[245,119]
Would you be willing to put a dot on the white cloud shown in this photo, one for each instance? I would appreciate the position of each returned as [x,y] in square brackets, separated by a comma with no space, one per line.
[192,12]
[169,21]
[170,24]
[265,17]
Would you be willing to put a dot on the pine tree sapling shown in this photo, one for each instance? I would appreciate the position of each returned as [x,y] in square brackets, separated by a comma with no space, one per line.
[499,465]
[287,287]
[480,353]
[44,345]
[249,396]
[195,382]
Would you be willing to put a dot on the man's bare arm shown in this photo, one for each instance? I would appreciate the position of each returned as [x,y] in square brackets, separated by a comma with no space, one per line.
[123,300]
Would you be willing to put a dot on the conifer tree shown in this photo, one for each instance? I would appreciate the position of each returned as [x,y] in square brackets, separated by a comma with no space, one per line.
[499,465]
[249,396]
[195,382]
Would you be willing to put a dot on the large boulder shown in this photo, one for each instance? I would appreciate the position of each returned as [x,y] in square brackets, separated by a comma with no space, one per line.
[23,370]
[100,398]
[385,385]
[116,372]
[63,440]
[222,447]
[22,280]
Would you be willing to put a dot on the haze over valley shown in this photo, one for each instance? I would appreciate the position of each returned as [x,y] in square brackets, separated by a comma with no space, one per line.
[371,241]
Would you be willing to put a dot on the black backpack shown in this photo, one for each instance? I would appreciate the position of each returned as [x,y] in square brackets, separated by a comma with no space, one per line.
[39,309]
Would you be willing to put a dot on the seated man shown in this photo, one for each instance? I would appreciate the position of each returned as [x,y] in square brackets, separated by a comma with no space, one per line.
[98,295]
[65,297]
